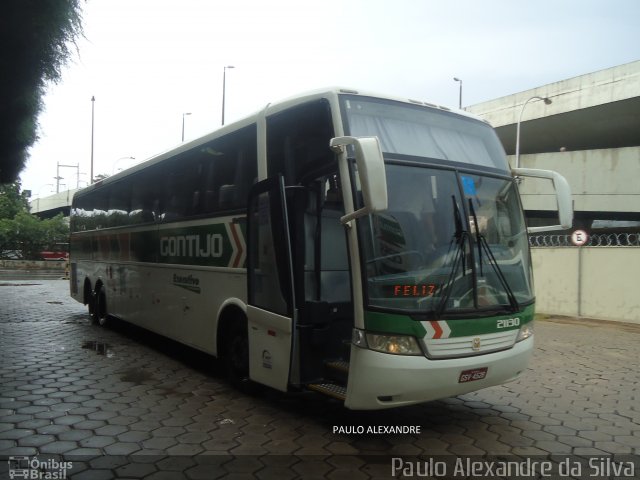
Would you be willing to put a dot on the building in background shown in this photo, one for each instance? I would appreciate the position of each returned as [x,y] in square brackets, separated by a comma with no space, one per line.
[590,133]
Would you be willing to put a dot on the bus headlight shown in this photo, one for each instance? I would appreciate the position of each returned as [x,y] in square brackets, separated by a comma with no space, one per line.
[395,344]
[525,332]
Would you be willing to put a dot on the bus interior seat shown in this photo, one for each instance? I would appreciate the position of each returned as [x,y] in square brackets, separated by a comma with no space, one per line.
[195,202]
[227,197]
[175,208]
[209,201]
[335,284]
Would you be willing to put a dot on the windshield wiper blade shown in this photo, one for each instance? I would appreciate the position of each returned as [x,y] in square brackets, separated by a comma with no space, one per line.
[484,245]
[457,219]
[459,238]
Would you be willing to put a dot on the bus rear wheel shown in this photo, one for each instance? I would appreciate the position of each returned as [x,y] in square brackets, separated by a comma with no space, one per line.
[100,307]
[90,300]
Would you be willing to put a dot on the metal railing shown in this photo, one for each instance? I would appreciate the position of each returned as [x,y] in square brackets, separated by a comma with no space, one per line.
[595,240]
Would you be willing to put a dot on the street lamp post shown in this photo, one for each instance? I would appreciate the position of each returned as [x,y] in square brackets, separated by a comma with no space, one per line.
[93,103]
[183,115]
[113,169]
[547,101]
[224,86]
[456,79]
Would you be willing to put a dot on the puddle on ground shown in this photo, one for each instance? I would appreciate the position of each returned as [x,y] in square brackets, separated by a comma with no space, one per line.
[77,319]
[100,348]
[55,303]
[135,375]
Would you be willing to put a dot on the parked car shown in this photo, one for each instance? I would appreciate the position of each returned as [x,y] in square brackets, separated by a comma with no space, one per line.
[11,254]
[56,255]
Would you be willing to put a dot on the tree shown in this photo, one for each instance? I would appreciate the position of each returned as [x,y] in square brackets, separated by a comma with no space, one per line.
[23,235]
[36,37]
[12,200]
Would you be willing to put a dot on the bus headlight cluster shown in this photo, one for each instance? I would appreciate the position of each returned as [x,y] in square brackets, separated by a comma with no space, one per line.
[395,344]
[525,332]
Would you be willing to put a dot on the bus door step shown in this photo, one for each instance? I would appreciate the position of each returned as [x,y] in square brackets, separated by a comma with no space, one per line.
[336,371]
[337,365]
[330,389]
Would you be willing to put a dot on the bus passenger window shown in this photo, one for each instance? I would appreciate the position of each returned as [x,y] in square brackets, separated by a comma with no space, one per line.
[298,141]
[230,166]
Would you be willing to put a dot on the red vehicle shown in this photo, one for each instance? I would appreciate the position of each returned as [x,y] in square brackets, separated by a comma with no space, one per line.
[58,252]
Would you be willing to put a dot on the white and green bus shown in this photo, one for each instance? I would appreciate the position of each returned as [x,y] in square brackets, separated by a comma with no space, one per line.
[370,248]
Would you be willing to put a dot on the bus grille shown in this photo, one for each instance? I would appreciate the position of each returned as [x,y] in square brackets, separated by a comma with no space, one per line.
[469,346]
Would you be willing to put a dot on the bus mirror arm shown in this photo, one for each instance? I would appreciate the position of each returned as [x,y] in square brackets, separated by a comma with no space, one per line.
[563,197]
[371,172]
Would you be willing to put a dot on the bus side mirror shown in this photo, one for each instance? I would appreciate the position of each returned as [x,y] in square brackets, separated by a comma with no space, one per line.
[371,173]
[563,197]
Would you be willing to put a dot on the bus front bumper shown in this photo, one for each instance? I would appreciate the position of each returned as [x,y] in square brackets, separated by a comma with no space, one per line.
[378,380]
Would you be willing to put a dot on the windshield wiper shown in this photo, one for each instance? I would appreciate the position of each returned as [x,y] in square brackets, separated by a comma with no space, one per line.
[459,238]
[483,245]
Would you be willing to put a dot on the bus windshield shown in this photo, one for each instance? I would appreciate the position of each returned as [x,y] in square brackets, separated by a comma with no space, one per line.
[422,132]
[449,242]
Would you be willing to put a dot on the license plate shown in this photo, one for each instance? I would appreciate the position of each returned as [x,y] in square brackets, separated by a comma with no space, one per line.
[472,375]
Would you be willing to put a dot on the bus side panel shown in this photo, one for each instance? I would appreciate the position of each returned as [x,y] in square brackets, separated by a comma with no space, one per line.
[174,301]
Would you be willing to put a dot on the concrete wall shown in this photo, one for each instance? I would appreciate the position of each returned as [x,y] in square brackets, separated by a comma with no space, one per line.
[593,282]
[32,265]
[604,180]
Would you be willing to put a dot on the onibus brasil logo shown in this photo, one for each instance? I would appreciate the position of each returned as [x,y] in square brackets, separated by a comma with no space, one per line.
[40,469]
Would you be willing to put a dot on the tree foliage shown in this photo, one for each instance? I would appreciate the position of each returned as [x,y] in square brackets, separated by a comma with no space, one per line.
[36,40]
[23,235]
[12,200]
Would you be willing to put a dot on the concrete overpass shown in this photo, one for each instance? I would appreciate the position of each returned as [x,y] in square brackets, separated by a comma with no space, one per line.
[590,133]
[50,206]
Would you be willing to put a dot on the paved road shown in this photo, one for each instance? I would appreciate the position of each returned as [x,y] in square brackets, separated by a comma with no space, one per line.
[123,403]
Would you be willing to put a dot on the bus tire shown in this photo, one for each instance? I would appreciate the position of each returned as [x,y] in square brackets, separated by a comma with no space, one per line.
[89,297]
[235,357]
[91,304]
[101,315]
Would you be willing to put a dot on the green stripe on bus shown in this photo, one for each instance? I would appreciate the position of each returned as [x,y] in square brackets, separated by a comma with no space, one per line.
[213,244]
[196,245]
[393,323]
[405,325]
[499,323]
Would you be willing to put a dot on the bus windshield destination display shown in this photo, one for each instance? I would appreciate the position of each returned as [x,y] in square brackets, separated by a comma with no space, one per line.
[419,290]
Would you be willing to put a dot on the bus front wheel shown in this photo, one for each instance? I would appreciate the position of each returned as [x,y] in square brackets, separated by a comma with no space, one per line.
[236,356]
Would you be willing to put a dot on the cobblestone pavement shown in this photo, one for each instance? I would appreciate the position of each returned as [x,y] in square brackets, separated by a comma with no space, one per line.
[124,403]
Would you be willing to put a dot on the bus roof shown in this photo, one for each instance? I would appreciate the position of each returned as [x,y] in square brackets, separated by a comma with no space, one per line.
[267,110]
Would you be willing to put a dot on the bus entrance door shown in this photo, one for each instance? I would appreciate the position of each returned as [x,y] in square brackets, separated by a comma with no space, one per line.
[270,310]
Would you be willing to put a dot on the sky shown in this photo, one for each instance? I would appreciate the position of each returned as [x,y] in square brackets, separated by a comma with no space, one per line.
[147,62]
